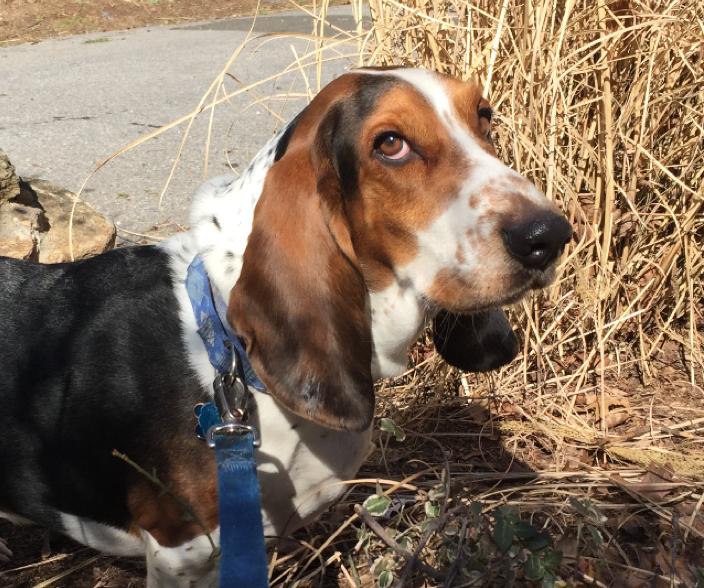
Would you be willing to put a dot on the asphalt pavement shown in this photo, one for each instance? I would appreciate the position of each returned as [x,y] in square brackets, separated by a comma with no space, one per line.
[67,104]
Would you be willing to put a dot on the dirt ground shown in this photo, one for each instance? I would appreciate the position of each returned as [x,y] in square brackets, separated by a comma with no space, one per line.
[29,21]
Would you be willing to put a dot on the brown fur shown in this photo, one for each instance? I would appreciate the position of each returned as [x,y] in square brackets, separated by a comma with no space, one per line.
[299,303]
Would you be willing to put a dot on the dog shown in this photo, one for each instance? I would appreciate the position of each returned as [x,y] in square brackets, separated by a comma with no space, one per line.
[380,207]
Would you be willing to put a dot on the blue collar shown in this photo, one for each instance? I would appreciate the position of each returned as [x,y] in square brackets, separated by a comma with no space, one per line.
[210,311]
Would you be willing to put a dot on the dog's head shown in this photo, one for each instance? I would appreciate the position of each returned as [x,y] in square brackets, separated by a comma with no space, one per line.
[387,177]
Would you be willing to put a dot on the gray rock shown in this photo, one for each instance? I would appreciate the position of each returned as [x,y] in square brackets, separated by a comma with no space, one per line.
[91,231]
[9,182]
[38,221]
[17,230]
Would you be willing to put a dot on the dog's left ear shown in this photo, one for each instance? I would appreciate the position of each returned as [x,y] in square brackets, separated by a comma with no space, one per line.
[476,342]
[300,301]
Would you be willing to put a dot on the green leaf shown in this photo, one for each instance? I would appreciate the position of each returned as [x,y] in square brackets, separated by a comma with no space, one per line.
[588,509]
[386,578]
[596,535]
[552,559]
[524,530]
[377,505]
[451,531]
[534,569]
[538,542]
[503,533]
[476,508]
[432,509]
[699,575]
[406,543]
[580,507]
[549,581]
[382,564]
[510,513]
[450,551]
[438,492]
[390,427]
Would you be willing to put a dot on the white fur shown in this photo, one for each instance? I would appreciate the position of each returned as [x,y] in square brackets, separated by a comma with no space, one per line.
[231,201]
[191,565]
[297,458]
[101,537]
[14,519]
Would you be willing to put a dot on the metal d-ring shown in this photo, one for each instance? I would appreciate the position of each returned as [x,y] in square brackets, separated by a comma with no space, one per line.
[232,429]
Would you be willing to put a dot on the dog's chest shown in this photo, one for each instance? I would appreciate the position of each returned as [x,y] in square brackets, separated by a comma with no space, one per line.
[301,465]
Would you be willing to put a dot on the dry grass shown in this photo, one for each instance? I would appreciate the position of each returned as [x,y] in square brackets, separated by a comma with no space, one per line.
[589,445]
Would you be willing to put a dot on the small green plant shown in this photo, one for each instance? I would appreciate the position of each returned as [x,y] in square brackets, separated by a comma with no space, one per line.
[73,23]
[377,504]
[521,542]
[390,427]
[123,195]
[101,40]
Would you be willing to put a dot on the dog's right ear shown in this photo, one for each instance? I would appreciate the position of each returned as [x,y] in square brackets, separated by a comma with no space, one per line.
[477,342]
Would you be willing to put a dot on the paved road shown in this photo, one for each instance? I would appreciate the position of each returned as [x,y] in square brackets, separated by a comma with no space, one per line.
[69,103]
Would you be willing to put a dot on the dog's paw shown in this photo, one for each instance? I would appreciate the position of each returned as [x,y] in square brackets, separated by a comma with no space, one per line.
[5,553]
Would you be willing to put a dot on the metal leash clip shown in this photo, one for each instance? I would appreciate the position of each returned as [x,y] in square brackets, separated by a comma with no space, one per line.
[231,392]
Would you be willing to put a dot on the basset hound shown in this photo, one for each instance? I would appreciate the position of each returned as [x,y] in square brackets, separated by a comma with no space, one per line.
[380,207]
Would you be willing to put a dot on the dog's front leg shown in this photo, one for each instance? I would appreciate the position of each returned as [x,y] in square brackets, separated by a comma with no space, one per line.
[191,565]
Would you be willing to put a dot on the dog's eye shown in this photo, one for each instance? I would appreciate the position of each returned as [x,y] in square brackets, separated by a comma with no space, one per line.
[392,146]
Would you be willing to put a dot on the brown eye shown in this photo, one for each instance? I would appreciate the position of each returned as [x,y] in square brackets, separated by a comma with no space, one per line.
[393,146]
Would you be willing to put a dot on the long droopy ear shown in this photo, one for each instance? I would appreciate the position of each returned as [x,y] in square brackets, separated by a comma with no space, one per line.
[299,303]
[475,343]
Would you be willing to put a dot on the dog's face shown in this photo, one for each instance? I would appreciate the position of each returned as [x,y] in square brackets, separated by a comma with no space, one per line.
[428,200]
[392,184]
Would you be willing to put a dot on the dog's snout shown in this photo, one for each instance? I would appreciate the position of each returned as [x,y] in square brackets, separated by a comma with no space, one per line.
[537,242]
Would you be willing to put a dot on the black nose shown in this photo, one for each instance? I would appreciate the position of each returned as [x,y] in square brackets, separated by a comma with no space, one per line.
[539,241]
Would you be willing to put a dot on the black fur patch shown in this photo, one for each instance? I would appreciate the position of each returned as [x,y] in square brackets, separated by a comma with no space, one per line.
[339,132]
[92,360]
[283,142]
[477,342]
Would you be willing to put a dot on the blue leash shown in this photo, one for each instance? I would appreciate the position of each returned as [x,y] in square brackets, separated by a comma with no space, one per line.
[222,423]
